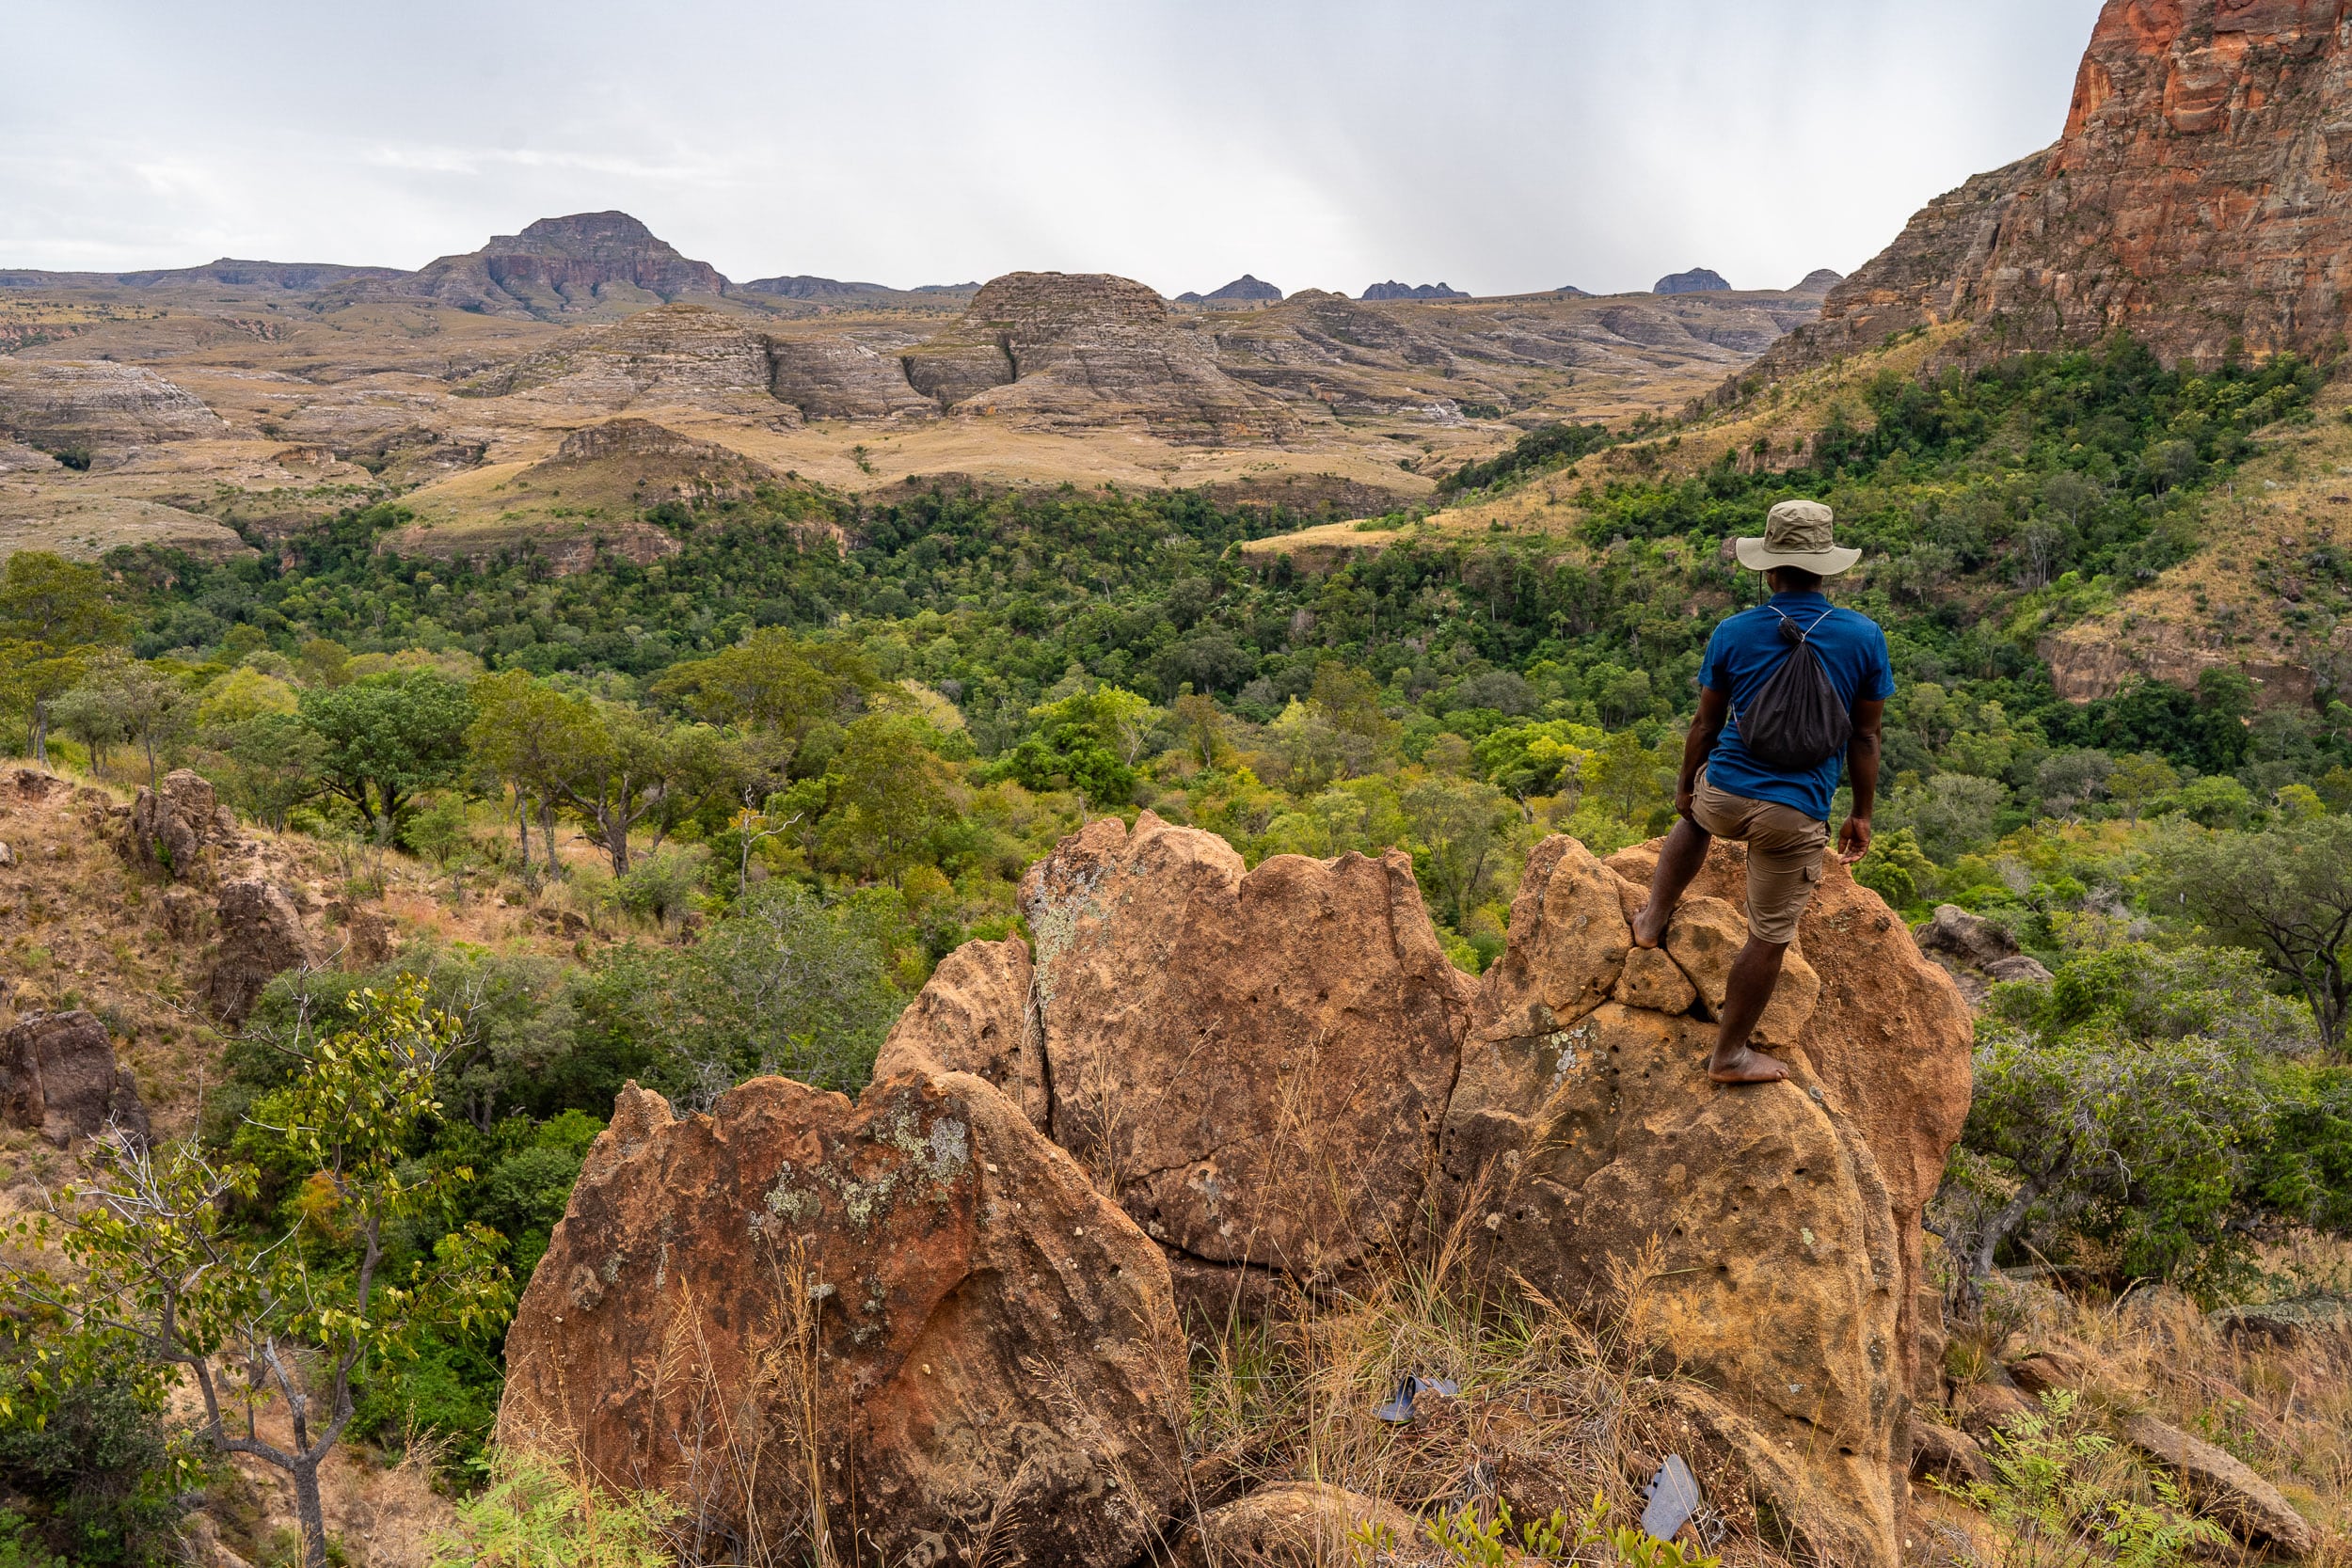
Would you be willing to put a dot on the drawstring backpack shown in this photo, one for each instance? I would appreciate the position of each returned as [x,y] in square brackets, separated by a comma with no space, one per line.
[1796,723]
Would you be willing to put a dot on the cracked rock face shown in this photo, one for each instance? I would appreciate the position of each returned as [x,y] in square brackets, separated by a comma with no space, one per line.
[59,1078]
[973,1016]
[2200,193]
[1743,1236]
[1256,1065]
[992,1339]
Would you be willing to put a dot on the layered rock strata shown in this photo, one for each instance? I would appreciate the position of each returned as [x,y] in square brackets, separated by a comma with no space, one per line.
[1087,348]
[2199,195]
[61,404]
[917,1300]
[556,267]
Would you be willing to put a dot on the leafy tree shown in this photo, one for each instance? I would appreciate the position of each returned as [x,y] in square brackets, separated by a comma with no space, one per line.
[154,1259]
[145,706]
[889,792]
[52,615]
[1897,869]
[1460,828]
[386,736]
[782,983]
[2286,893]
[1951,815]
[620,768]
[774,681]
[265,764]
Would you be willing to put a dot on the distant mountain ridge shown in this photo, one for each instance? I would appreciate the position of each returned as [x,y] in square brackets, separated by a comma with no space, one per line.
[1242,289]
[1393,289]
[1698,280]
[558,267]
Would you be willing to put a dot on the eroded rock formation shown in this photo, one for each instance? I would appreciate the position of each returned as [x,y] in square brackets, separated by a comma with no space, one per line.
[1277,1074]
[2200,195]
[171,825]
[1746,1238]
[59,1077]
[557,267]
[97,405]
[1256,1065]
[1087,348]
[260,938]
[915,1298]
[974,1017]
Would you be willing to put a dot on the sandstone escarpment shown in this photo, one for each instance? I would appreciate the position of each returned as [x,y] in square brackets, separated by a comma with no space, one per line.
[1076,349]
[674,353]
[2199,195]
[916,1299]
[97,405]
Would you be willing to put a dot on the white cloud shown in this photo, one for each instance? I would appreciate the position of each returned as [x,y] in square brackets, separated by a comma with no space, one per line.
[1501,144]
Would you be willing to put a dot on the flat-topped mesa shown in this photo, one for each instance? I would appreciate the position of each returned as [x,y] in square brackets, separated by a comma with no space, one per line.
[2199,195]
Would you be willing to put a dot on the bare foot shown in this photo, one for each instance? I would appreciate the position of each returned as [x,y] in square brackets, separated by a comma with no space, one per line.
[1745,1065]
[1650,929]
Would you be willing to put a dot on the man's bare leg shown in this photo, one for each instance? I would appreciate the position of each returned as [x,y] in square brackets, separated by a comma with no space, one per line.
[1754,973]
[1685,851]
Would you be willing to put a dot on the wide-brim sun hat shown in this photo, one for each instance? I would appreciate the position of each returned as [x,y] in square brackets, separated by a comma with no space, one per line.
[1797,533]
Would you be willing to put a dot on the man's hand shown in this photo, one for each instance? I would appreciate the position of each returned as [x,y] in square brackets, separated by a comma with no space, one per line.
[1686,790]
[1853,839]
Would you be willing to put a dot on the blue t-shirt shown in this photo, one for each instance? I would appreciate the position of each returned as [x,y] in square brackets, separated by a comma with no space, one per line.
[1744,654]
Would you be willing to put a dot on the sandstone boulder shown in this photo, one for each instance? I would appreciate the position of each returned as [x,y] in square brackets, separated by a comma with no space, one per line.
[974,1017]
[367,934]
[1889,1041]
[2250,1507]
[1256,1065]
[59,1077]
[260,938]
[1742,1235]
[1296,1525]
[171,825]
[914,1298]
[1948,1454]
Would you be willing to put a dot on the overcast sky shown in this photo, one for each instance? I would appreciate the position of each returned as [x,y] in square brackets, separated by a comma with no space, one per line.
[1496,145]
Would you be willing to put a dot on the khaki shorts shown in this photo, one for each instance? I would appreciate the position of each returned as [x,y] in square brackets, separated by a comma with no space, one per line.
[1785,849]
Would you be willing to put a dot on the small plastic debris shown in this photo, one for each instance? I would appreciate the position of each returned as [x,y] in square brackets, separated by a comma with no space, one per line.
[1400,1409]
[1673,1496]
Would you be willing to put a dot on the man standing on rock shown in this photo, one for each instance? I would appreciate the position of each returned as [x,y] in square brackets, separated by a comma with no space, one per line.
[1772,788]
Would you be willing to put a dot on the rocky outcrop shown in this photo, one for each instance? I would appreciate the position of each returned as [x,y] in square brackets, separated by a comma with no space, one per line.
[1256,1065]
[1745,1238]
[260,938]
[2200,195]
[2224,1488]
[558,267]
[689,354]
[59,1077]
[914,1299]
[97,406]
[973,1016]
[170,826]
[1889,1040]
[1978,953]
[1081,349]
[840,378]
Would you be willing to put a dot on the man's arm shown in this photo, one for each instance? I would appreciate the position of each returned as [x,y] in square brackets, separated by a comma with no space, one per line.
[1705,729]
[1862,768]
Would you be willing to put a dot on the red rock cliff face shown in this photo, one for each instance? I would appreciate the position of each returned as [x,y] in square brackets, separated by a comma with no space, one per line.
[2200,195]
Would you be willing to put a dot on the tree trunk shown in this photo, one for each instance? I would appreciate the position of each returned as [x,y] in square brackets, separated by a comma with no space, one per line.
[308,1511]
[522,827]
[40,733]
[547,835]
